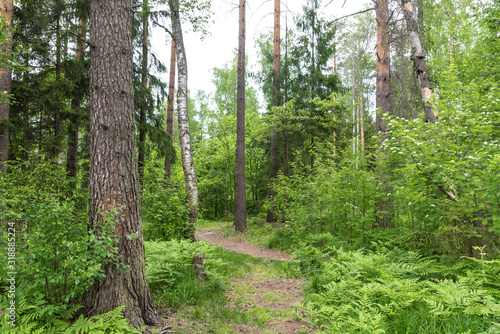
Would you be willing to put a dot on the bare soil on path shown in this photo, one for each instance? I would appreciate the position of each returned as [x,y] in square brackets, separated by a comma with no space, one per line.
[240,245]
[261,294]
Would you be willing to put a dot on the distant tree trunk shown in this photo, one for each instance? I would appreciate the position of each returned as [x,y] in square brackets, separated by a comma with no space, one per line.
[144,70]
[57,109]
[7,13]
[362,122]
[383,103]
[418,57]
[114,179]
[74,118]
[183,117]
[241,200]
[170,106]
[271,211]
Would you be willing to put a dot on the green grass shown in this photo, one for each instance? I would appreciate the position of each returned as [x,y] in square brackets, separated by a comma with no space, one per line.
[202,304]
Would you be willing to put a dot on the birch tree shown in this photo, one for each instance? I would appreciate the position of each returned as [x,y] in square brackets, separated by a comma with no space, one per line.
[182,114]
[418,58]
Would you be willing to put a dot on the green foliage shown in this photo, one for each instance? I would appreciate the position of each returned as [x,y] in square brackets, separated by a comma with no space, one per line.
[32,318]
[395,291]
[57,257]
[169,267]
[164,206]
[330,201]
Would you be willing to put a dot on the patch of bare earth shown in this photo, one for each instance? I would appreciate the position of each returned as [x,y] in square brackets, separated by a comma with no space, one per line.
[240,245]
[268,299]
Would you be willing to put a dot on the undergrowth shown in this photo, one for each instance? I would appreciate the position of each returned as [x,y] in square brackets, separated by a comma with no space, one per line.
[201,302]
[371,283]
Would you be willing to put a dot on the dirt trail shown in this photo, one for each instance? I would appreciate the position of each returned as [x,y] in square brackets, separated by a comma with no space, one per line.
[269,298]
[240,245]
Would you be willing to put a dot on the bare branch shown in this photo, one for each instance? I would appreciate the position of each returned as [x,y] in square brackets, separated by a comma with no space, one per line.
[82,38]
[345,16]
[165,28]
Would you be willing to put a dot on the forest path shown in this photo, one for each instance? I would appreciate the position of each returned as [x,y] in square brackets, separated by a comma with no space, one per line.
[262,293]
[239,245]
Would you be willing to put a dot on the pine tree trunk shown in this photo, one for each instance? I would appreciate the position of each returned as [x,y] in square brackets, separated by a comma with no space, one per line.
[144,70]
[383,103]
[271,211]
[7,13]
[418,57]
[183,117]
[241,201]
[170,106]
[57,109]
[114,179]
[74,118]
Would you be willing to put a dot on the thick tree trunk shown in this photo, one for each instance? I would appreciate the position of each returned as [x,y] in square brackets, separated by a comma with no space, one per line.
[144,70]
[170,106]
[7,13]
[114,179]
[183,117]
[74,118]
[383,103]
[241,200]
[271,211]
[418,57]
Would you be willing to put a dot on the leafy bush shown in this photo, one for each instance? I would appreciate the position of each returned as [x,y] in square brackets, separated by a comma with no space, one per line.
[56,256]
[164,207]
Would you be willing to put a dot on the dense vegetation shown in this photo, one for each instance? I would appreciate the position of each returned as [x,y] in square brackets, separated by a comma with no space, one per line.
[434,268]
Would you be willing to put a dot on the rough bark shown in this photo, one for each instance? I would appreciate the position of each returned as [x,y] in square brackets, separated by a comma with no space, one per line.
[383,104]
[418,58]
[241,201]
[144,70]
[182,115]
[170,106]
[7,13]
[114,179]
[271,214]
[74,118]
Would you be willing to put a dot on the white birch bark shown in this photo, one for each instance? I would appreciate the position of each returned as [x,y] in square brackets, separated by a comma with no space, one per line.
[182,111]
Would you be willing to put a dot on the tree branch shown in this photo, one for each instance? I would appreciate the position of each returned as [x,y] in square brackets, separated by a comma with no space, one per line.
[345,16]
[165,28]
[82,38]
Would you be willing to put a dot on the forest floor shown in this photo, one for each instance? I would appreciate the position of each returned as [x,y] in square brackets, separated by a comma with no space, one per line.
[262,292]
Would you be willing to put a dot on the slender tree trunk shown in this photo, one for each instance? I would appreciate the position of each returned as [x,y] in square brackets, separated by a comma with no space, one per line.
[170,106]
[74,118]
[362,122]
[241,200]
[383,103]
[144,70]
[183,117]
[57,110]
[418,57]
[114,177]
[7,13]
[271,211]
